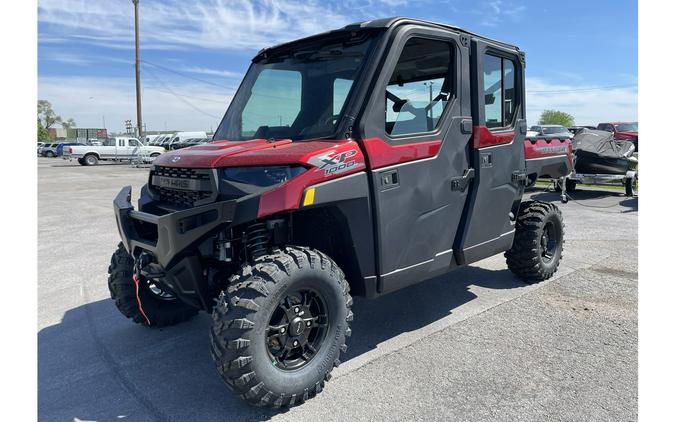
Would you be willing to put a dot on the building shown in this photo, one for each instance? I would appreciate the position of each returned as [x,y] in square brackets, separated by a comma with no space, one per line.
[77,134]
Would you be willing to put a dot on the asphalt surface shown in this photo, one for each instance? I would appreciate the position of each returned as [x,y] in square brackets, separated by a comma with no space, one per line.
[475,345]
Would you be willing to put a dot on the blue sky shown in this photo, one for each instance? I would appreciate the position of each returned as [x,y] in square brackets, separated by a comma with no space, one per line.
[195,52]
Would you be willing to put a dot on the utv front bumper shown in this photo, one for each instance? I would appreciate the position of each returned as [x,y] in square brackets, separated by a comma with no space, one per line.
[172,239]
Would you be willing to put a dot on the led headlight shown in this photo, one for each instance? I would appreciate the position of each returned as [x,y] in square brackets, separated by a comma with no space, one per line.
[262,176]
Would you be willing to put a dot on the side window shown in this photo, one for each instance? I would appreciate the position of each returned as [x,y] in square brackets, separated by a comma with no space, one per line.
[499,88]
[133,143]
[341,89]
[275,100]
[420,87]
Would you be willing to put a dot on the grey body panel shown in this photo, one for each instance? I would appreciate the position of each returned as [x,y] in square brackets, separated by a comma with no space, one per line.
[489,220]
[417,217]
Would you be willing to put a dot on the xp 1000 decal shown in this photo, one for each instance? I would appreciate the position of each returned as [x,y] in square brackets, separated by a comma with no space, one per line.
[335,162]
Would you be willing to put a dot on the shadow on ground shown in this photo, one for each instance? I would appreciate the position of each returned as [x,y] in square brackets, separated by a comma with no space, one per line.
[96,365]
[593,198]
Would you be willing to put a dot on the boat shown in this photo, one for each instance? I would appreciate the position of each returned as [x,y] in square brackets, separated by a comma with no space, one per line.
[597,152]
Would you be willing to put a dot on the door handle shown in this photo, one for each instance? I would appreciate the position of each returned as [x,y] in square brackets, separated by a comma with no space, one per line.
[460,183]
[466,126]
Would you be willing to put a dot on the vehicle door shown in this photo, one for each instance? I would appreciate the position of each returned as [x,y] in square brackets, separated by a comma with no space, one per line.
[134,148]
[123,148]
[416,130]
[497,154]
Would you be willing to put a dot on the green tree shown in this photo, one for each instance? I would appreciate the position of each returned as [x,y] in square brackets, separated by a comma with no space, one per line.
[556,117]
[42,133]
[46,115]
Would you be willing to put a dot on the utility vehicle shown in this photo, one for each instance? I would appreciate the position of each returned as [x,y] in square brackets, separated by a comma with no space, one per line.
[355,162]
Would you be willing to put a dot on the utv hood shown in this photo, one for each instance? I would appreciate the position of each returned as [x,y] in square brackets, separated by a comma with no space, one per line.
[251,153]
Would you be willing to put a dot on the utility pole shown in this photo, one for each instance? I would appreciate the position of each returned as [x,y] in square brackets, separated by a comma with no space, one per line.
[139,118]
[431,100]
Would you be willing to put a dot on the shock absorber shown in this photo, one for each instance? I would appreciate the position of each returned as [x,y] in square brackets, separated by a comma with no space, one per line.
[257,240]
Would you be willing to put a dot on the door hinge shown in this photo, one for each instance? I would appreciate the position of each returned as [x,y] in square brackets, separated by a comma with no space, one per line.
[460,183]
[519,177]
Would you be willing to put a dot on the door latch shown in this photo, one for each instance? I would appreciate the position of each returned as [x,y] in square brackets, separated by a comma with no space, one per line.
[460,183]
[519,177]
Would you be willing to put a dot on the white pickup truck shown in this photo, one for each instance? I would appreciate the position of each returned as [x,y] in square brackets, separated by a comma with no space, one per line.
[118,148]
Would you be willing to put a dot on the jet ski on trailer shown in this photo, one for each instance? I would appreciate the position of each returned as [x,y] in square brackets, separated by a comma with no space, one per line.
[599,159]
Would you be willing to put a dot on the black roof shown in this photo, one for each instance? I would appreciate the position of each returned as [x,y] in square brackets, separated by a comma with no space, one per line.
[386,23]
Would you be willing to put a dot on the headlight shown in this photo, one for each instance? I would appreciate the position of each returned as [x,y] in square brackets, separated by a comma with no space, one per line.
[262,176]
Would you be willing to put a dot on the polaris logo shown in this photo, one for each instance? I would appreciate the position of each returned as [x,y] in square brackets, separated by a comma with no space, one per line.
[175,183]
[332,163]
[553,149]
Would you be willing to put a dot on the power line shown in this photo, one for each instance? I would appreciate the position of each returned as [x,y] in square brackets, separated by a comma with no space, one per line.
[180,97]
[184,75]
[598,88]
[187,96]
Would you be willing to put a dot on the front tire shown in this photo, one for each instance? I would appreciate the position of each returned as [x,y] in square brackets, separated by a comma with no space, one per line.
[538,244]
[280,327]
[157,308]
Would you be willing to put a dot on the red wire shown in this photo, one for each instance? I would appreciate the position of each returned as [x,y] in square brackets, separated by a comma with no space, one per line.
[138,299]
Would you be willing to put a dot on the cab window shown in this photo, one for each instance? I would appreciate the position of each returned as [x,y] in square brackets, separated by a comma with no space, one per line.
[419,88]
[499,88]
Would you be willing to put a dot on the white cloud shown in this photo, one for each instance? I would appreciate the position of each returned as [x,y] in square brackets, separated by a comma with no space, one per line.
[221,24]
[88,99]
[494,12]
[212,72]
[588,107]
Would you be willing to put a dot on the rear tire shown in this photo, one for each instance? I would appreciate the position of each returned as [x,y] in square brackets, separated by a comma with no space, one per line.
[90,160]
[258,337]
[538,244]
[157,311]
[50,154]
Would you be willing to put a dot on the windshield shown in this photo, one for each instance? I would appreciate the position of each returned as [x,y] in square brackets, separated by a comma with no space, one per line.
[627,127]
[554,129]
[296,94]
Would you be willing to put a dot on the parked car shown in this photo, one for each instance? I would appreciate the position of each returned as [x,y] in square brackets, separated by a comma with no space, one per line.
[39,146]
[118,148]
[59,147]
[178,136]
[575,129]
[189,143]
[553,131]
[48,150]
[622,131]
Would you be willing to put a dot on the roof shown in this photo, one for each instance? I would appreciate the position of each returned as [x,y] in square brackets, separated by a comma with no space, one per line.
[387,23]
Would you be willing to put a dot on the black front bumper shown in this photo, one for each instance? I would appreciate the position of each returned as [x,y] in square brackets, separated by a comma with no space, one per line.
[172,239]
[167,236]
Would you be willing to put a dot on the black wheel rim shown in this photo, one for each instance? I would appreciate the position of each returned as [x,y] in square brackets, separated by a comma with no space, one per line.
[297,329]
[550,239]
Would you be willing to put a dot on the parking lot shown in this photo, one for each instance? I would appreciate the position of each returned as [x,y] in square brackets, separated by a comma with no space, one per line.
[477,344]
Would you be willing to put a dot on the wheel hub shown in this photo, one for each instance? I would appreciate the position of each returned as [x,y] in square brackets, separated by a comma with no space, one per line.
[297,326]
[296,330]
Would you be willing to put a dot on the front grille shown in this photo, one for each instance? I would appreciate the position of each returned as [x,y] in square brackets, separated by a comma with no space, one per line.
[181,197]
